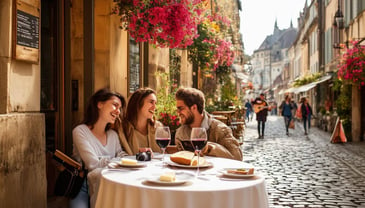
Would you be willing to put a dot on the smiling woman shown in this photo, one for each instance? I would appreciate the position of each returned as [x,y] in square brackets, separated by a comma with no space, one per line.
[139,124]
[95,143]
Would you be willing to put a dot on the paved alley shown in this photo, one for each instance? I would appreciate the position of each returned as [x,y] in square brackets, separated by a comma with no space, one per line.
[306,171]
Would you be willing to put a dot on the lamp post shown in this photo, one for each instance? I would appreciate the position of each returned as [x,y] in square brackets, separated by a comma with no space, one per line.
[338,24]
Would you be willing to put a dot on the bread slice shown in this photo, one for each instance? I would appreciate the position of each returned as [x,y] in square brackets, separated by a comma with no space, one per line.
[182,157]
[194,161]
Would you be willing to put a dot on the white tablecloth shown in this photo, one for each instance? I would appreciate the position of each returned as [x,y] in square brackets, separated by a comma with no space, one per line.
[126,188]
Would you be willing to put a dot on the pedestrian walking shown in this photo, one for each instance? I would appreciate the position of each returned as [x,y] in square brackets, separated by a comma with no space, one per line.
[286,108]
[306,114]
[248,107]
[261,108]
[294,108]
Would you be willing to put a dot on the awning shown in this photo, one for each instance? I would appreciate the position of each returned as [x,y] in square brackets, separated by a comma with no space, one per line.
[290,90]
[305,88]
[323,79]
[281,92]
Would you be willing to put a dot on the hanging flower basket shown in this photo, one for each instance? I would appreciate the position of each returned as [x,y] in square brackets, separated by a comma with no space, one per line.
[210,51]
[352,64]
[165,23]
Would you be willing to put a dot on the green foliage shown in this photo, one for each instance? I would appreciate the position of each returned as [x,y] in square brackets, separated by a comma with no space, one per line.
[200,52]
[228,90]
[307,79]
[166,102]
[343,104]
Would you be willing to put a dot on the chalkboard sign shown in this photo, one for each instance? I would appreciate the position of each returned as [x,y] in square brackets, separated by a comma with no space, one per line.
[26,19]
[27,30]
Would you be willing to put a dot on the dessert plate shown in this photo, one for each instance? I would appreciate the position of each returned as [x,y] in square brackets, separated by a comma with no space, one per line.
[116,165]
[157,181]
[235,175]
[181,178]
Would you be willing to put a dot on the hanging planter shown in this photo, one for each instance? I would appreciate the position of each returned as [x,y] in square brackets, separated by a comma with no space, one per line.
[165,23]
[210,51]
[352,64]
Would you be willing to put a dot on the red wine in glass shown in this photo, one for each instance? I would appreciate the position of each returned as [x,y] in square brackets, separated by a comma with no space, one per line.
[163,137]
[199,143]
[198,139]
[163,142]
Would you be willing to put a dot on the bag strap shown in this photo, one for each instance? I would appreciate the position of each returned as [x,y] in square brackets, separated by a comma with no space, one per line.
[66,161]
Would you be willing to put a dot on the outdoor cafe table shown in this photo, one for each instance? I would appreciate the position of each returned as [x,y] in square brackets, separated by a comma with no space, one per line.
[227,114]
[126,188]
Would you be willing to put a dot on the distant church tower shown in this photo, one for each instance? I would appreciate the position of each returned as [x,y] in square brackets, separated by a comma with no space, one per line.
[276,28]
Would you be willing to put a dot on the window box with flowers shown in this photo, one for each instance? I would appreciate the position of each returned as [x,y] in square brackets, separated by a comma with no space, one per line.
[352,64]
[165,23]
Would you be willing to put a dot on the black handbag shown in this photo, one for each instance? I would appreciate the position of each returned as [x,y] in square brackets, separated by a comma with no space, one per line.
[71,177]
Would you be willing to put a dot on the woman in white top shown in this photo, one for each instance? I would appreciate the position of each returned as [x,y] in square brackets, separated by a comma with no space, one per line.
[95,143]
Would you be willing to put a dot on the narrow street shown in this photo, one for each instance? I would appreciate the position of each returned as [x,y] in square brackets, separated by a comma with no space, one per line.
[306,171]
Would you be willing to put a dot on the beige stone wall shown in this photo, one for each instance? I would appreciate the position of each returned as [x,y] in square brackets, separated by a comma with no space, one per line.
[118,57]
[110,49]
[22,135]
[5,51]
[186,74]
[158,60]
[19,80]
[22,161]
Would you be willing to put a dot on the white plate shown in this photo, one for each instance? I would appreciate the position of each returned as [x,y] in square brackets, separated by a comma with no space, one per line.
[181,178]
[116,165]
[165,183]
[235,175]
[206,165]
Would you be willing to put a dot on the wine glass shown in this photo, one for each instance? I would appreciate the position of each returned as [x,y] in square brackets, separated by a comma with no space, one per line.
[163,137]
[198,138]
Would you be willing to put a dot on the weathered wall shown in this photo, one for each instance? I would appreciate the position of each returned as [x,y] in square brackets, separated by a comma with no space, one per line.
[22,161]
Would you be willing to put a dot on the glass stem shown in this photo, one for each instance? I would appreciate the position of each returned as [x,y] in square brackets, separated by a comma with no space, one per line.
[197,171]
[163,157]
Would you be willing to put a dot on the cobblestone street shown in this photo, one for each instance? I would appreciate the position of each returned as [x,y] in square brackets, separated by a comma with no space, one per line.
[306,171]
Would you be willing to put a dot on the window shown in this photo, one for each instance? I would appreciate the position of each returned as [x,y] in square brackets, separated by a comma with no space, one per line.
[134,65]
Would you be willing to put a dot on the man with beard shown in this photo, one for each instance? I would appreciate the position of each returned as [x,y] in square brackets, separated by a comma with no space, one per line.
[190,104]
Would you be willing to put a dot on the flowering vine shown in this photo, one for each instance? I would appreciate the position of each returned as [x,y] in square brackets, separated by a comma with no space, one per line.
[210,50]
[352,64]
[165,23]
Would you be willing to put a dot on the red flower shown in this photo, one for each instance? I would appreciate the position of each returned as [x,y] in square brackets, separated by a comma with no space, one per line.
[352,64]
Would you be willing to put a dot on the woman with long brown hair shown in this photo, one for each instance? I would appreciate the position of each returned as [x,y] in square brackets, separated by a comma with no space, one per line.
[139,124]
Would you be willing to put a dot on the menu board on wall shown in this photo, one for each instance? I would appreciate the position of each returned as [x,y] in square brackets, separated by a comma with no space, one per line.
[26,32]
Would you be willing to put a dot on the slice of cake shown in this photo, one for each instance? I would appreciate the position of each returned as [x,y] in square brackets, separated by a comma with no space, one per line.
[127,161]
[168,177]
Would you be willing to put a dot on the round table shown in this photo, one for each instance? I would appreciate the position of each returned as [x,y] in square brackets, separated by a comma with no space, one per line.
[128,188]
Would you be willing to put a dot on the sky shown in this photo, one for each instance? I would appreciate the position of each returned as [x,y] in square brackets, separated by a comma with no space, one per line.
[258,19]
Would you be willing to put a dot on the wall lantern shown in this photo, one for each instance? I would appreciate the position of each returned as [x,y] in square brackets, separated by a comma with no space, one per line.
[339,17]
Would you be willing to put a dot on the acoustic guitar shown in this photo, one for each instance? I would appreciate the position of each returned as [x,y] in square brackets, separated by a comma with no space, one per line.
[259,107]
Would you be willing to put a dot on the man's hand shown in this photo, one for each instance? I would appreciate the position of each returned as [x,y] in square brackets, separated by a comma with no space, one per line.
[207,148]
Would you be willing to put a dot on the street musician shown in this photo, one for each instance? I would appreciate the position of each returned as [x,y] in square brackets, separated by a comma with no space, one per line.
[261,108]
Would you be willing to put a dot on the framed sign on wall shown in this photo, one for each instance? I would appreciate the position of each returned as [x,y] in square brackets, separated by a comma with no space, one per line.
[26,23]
